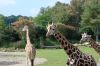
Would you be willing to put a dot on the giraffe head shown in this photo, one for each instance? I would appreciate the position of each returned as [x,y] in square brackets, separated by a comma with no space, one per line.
[85,38]
[25,28]
[51,29]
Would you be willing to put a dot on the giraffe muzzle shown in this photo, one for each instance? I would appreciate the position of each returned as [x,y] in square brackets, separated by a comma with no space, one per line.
[47,35]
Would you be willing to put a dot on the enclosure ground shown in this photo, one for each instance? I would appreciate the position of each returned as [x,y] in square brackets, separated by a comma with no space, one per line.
[17,59]
[44,57]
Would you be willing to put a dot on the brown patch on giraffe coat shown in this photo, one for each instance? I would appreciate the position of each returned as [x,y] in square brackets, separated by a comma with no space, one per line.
[81,60]
[62,44]
[55,34]
[68,46]
[59,36]
[78,52]
[80,56]
[73,49]
[86,64]
[76,55]
[69,52]
[60,40]
[65,42]
[65,48]
[63,39]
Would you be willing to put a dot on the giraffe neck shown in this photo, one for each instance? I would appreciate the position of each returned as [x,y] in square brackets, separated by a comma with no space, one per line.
[27,37]
[94,45]
[66,45]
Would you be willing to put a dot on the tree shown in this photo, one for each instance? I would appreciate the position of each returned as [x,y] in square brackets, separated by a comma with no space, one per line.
[10,19]
[2,22]
[75,9]
[91,15]
[56,14]
[44,17]
[59,13]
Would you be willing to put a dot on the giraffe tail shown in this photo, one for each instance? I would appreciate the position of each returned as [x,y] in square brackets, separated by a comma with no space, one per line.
[32,62]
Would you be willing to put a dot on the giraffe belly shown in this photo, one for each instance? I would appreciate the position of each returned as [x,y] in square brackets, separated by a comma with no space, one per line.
[30,53]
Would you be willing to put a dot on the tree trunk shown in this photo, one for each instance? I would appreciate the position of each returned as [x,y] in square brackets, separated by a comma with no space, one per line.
[97,28]
[41,42]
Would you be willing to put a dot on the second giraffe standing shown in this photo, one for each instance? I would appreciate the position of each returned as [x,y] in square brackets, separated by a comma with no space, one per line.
[30,49]
[88,38]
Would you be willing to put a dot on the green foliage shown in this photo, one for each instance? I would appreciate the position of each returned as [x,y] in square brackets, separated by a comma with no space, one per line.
[2,22]
[8,35]
[82,15]
[91,12]
[44,17]
[56,14]
[90,16]
[59,13]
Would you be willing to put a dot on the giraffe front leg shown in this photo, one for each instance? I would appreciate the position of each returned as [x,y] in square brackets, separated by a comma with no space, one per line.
[27,61]
[68,62]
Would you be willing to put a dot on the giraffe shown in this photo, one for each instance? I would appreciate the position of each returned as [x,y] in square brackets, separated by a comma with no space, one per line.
[79,58]
[87,38]
[29,48]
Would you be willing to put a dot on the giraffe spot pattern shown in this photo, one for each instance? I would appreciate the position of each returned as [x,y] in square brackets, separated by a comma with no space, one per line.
[80,59]
[65,48]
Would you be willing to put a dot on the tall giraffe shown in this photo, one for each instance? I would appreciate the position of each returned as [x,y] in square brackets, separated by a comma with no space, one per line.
[30,49]
[77,58]
[87,38]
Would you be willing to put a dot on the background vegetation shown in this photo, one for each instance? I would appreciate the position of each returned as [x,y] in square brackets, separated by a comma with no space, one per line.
[77,17]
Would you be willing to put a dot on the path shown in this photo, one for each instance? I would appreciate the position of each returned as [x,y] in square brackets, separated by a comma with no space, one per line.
[17,59]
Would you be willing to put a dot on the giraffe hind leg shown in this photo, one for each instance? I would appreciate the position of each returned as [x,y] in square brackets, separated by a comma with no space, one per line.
[27,61]
[32,62]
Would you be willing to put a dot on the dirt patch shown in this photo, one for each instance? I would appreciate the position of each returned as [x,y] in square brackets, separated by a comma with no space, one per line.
[17,59]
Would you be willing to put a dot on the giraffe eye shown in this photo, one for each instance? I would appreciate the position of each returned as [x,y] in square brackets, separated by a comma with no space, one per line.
[50,27]
[53,29]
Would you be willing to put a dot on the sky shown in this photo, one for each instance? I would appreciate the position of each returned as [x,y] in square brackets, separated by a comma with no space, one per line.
[25,7]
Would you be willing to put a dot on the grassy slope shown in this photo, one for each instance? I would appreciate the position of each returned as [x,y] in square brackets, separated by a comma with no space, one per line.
[57,57]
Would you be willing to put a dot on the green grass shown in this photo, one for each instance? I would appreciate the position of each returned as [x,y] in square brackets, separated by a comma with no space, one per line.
[57,57]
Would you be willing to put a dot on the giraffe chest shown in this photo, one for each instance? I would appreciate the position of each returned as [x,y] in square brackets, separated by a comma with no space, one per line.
[83,60]
[28,48]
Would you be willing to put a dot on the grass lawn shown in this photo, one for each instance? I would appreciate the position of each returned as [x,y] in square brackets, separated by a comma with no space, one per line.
[57,57]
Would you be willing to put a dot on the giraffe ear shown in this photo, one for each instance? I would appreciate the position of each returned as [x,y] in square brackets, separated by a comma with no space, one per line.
[55,25]
[85,33]
[48,23]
